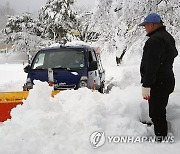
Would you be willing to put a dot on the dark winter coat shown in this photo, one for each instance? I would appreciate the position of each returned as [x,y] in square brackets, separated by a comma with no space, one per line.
[158,57]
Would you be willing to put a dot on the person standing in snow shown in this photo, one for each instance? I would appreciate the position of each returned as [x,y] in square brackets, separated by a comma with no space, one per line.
[156,70]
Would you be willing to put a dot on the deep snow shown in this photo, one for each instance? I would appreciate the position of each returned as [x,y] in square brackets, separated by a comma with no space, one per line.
[63,124]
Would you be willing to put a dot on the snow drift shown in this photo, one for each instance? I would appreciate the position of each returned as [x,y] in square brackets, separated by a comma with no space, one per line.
[63,124]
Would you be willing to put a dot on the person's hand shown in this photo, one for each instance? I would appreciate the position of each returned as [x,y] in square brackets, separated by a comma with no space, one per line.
[146,93]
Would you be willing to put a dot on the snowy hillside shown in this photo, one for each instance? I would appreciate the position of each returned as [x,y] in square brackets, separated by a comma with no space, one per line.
[64,124]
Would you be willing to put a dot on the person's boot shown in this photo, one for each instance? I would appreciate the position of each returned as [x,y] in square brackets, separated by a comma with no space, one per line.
[160,128]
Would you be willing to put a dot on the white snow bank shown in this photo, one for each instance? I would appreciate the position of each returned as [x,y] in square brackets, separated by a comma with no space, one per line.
[12,77]
[63,124]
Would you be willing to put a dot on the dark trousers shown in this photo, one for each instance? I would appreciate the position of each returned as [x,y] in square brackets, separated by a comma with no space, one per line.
[160,92]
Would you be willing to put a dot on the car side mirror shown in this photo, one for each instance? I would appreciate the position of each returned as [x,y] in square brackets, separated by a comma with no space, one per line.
[27,69]
[93,66]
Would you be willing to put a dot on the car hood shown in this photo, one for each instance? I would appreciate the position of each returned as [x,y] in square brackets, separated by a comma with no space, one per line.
[67,77]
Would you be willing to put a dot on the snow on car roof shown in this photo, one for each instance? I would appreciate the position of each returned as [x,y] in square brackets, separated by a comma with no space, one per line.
[74,44]
[77,43]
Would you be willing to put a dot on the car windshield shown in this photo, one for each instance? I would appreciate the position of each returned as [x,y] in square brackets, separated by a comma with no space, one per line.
[59,58]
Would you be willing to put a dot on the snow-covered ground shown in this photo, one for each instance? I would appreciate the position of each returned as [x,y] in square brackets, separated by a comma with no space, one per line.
[12,77]
[63,124]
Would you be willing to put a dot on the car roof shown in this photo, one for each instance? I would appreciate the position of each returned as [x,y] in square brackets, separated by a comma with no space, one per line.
[68,47]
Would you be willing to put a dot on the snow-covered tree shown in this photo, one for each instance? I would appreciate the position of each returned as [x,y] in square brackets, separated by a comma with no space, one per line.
[84,26]
[108,20]
[24,33]
[58,19]
[117,20]
[17,24]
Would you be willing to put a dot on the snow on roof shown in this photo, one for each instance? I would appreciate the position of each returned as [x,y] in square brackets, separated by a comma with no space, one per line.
[55,45]
[77,43]
[73,43]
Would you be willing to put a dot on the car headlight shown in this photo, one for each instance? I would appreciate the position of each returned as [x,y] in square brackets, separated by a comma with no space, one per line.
[28,85]
[83,82]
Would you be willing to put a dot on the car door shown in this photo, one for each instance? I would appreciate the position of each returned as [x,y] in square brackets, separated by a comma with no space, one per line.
[93,75]
[101,69]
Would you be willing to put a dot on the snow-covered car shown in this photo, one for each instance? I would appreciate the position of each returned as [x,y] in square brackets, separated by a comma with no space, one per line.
[67,67]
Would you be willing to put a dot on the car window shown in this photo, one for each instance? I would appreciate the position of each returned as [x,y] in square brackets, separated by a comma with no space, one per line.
[93,55]
[39,61]
[62,58]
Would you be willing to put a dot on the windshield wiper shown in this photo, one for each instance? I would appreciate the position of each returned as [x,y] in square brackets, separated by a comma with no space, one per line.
[39,68]
[60,67]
